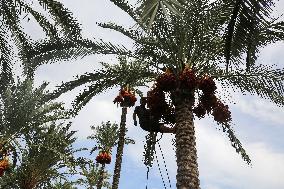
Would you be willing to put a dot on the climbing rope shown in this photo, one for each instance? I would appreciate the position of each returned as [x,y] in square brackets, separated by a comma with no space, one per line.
[160,170]
[165,164]
[147,176]
[159,138]
[173,143]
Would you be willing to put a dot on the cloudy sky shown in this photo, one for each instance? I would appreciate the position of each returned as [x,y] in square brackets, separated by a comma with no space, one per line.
[258,123]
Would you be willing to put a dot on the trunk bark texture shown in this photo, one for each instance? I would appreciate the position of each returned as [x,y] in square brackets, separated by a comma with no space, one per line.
[120,146]
[187,171]
[101,177]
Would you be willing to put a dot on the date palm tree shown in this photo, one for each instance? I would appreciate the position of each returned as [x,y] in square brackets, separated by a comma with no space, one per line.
[63,39]
[219,38]
[107,136]
[34,127]
[128,72]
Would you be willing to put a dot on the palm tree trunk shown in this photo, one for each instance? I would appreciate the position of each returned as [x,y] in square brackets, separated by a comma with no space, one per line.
[120,146]
[101,177]
[187,171]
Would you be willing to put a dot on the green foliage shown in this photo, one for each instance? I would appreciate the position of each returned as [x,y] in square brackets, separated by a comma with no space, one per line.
[265,82]
[43,154]
[63,42]
[106,136]
[212,37]
[22,108]
[133,73]
[91,172]
[149,9]
[11,13]
[30,127]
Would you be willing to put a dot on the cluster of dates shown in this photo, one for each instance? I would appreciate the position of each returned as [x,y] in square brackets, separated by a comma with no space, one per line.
[158,106]
[103,158]
[187,81]
[125,98]
[4,159]
[4,165]
[209,103]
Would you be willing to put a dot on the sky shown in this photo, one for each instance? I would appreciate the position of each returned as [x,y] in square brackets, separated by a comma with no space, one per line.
[257,123]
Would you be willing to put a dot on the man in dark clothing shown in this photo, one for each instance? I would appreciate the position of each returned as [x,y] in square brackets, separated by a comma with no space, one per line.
[148,122]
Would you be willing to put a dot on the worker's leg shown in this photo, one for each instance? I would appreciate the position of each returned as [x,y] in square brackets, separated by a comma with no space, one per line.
[165,129]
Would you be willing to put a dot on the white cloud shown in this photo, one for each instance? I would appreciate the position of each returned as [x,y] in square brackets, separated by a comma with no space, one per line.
[260,108]
[219,165]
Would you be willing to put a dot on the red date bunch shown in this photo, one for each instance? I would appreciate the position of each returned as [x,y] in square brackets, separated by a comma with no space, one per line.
[167,81]
[207,85]
[188,79]
[199,111]
[221,113]
[156,102]
[4,165]
[125,98]
[208,101]
[103,158]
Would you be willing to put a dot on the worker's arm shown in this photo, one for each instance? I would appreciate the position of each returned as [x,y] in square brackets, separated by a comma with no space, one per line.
[134,117]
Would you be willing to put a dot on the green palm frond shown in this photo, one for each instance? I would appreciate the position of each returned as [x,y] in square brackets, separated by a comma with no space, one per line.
[126,7]
[91,175]
[262,81]
[247,19]
[273,32]
[105,135]
[49,28]
[43,52]
[61,29]
[235,142]
[5,61]
[47,150]
[23,108]
[11,21]
[63,17]
[133,73]
[150,8]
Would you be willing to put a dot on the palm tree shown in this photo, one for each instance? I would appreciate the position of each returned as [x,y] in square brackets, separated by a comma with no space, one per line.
[127,73]
[206,38]
[12,13]
[107,136]
[93,175]
[34,127]
[63,37]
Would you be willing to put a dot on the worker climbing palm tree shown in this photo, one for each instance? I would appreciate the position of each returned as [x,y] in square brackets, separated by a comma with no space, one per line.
[147,121]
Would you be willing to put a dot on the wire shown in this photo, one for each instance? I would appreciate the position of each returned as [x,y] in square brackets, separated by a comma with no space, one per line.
[165,164]
[147,176]
[159,138]
[160,170]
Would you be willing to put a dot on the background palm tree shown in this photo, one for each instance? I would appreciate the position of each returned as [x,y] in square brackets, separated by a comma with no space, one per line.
[132,73]
[63,37]
[34,127]
[212,38]
[93,175]
[107,136]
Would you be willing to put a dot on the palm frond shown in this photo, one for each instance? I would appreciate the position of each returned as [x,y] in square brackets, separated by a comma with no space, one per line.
[243,27]
[44,23]
[134,73]
[63,17]
[44,52]
[150,8]
[126,7]
[23,107]
[5,61]
[262,81]
[11,21]
[235,142]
